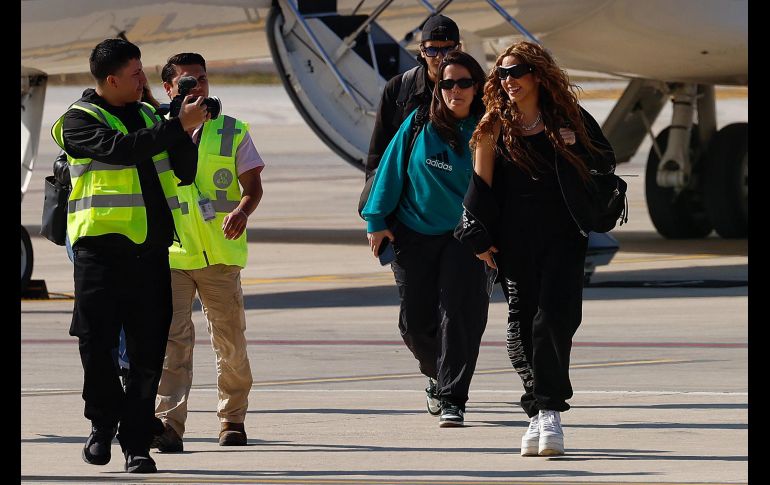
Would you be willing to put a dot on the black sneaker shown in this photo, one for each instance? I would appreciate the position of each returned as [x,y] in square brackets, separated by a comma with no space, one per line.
[97,448]
[168,442]
[451,415]
[434,403]
[140,462]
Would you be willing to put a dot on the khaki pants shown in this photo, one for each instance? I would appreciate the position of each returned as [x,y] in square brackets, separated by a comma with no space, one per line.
[219,289]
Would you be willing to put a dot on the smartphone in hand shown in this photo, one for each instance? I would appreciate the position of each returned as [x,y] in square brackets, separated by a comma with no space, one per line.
[386,253]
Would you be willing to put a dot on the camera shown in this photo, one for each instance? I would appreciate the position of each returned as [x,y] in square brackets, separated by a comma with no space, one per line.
[186,83]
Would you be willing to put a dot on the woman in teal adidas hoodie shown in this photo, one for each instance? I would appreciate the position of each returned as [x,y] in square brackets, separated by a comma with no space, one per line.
[442,285]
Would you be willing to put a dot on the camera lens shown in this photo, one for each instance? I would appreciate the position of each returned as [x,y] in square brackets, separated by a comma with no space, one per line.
[214,106]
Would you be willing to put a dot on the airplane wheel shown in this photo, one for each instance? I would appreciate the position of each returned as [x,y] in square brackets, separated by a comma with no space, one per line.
[26,259]
[726,181]
[675,216]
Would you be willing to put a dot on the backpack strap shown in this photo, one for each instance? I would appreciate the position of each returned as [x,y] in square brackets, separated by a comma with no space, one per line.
[420,118]
[407,85]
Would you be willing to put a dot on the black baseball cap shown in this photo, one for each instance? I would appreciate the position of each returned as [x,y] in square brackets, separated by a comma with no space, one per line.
[440,27]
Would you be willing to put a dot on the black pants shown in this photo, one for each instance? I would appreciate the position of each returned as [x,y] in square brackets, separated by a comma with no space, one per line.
[542,262]
[133,290]
[444,306]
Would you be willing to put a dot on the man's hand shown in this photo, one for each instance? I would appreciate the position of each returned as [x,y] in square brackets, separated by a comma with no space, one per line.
[193,114]
[375,239]
[234,224]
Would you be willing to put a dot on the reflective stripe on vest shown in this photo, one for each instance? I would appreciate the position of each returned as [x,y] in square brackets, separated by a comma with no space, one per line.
[203,242]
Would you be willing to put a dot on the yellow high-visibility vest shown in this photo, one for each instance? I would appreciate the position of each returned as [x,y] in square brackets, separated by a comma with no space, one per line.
[107,198]
[203,243]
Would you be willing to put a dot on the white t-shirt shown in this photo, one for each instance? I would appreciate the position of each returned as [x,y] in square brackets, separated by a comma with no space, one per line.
[246,156]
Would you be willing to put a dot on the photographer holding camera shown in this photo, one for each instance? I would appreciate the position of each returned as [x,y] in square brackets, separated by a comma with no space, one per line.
[208,259]
[124,163]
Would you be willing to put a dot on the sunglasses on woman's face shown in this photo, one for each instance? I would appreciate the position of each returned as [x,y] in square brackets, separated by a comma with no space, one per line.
[516,70]
[447,84]
[434,51]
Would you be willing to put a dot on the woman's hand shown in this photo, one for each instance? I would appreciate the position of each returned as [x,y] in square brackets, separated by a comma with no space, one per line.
[486,256]
[567,135]
[375,239]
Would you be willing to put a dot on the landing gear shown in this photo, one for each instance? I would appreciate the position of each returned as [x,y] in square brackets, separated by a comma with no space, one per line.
[26,259]
[676,215]
[726,181]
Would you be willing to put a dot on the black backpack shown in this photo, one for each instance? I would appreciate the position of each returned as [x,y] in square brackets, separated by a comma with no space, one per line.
[420,119]
[54,222]
[608,201]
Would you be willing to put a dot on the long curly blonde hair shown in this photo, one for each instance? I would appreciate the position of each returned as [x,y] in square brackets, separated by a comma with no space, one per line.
[557,99]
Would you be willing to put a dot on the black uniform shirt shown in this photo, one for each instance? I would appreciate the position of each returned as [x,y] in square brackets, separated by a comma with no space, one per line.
[87,137]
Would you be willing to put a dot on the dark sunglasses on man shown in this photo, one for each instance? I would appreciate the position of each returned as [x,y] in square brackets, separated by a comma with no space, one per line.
[434,51]
[447,84]
[516,70]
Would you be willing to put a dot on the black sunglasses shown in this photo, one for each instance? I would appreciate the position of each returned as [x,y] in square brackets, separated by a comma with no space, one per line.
[447,84]
[517,71]
[434,51]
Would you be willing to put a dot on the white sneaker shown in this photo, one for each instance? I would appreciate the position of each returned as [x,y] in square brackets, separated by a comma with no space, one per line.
[531,439]
[551,440]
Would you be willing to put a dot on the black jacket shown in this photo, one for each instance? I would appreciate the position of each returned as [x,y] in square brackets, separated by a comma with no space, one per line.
[483,215]
[391,114]
[87,137]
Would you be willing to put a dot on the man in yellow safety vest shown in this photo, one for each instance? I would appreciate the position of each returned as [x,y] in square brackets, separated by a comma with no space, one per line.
[208,260]
[125,163]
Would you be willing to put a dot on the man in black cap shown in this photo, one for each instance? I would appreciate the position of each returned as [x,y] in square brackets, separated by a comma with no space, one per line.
[402,95]
[440,36]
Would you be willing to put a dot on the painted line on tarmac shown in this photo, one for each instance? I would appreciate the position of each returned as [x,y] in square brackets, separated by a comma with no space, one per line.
[327,278]
[621,259]
[382,377]
[331,481]
[205,388]
[360,342]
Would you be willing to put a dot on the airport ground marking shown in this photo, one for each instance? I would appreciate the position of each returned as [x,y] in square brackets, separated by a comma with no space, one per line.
[382,377]
[380,342]
[332,481]
[411,375]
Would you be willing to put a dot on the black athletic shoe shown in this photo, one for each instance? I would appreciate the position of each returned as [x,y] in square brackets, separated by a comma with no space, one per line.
[433,401]
[168,441]
[97,448]
[140,462]
[451,415]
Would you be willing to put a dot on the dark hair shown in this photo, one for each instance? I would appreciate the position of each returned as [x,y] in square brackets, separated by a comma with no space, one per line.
[441,116]
[147,97]
[111,55]
[184,59]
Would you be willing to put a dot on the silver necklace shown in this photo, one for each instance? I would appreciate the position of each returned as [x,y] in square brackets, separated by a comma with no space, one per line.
[534,123]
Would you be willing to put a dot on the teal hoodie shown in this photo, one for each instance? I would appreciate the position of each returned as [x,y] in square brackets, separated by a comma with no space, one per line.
[437,179]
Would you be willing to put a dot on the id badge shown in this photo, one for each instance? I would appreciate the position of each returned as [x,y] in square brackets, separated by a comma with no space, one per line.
[207,209]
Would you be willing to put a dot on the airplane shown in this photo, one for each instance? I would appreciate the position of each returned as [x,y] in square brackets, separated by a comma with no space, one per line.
[335,56]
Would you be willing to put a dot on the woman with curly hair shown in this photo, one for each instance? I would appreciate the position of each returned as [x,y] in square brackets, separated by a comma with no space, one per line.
[442,286]
[527,213]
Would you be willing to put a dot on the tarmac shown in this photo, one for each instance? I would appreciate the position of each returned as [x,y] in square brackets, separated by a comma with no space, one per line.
[659,370]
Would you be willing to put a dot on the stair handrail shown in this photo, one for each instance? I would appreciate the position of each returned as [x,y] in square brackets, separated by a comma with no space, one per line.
[513,22]
[347,42]
[433,11]
[322,52]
